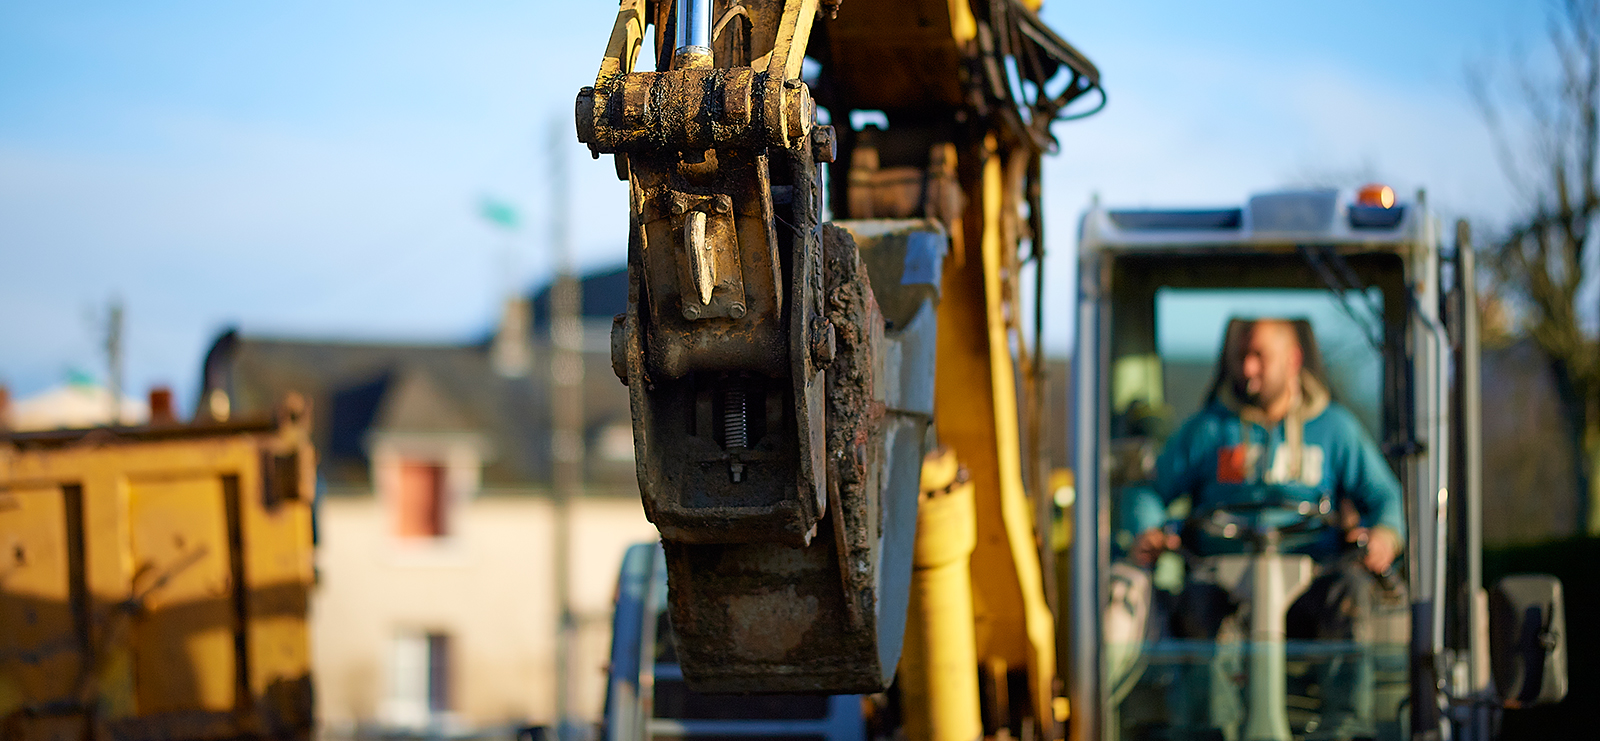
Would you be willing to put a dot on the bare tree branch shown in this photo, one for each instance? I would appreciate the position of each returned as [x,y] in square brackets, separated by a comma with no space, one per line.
[1545,122]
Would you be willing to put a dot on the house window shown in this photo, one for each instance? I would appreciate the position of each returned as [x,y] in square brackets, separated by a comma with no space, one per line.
[419,679]
[420,500]
[438,673]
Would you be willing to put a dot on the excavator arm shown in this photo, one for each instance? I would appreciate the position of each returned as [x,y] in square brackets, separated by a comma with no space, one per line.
[837,422]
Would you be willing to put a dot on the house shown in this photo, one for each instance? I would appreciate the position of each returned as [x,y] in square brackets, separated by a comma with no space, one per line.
[437,609]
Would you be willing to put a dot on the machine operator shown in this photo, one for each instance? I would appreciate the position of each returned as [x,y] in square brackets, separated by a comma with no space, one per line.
[1270,422]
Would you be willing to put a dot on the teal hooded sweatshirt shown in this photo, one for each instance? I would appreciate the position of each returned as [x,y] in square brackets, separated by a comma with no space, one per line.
[1228,454]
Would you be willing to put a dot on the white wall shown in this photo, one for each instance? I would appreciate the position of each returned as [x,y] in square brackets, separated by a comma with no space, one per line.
[490,586]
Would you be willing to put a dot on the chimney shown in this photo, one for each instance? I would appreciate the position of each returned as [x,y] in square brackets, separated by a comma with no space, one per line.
[512,351]
[161,412]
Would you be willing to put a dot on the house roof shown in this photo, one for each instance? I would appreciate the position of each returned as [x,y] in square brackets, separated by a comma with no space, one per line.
[361,389]
[414,403]
[605,295]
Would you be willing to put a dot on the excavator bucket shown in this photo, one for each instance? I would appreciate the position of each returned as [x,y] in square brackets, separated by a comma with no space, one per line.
[759,612]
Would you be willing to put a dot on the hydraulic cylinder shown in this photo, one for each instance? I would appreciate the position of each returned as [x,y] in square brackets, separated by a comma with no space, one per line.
[939,666]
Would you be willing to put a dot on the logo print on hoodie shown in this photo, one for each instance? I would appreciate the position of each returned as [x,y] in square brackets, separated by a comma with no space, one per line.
[1236,464]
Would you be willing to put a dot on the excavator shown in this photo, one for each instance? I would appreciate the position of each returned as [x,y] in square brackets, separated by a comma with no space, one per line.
[835,387]
[838,400]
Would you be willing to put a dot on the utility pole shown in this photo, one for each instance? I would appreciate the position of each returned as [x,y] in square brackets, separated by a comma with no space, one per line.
[566,412]
[114,359]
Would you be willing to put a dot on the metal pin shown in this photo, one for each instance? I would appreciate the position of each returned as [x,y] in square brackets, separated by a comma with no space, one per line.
[703,267]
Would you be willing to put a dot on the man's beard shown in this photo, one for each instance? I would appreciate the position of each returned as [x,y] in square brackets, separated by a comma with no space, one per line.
[1251,393]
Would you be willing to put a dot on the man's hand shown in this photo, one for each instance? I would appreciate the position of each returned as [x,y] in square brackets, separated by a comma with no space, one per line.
[1382,546]
[1151,544]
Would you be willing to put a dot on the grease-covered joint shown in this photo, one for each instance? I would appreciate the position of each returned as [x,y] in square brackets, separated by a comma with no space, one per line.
[692,57]
[738,93]
[694,109]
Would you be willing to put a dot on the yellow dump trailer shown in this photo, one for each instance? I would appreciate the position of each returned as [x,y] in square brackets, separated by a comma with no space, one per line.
[154,581]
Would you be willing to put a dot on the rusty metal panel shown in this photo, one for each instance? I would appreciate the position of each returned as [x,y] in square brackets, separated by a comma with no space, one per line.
[278,571]
[40,652]
[183,640]
[178,561]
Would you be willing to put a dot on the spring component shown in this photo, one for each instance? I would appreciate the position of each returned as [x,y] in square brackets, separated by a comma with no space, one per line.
[735,425]
[735,416]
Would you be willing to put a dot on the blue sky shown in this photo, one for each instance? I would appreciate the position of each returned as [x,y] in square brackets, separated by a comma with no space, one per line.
[314,169]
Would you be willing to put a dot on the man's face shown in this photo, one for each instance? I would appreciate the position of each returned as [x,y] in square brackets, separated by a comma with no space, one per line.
[1271,361]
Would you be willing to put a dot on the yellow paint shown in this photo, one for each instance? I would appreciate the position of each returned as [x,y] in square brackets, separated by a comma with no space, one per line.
[38,656]
[963,27]
[276,563]
[11,690]
[114,682]
[806,12]
[183,655]
[158,570]
[976,413]
[1035,623]
[938,684]
[975,407]
[794,34]
[627,34]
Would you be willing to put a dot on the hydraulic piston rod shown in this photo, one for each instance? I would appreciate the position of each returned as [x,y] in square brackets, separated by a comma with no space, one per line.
[691,45]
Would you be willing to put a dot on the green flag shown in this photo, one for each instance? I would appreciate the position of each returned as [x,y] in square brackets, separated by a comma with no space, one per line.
[499,213]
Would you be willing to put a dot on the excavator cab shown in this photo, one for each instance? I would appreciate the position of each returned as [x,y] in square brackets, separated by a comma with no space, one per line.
[1227,631]
[1385,314]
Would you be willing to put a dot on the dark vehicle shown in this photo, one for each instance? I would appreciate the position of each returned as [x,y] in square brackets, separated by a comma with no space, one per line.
[647,699]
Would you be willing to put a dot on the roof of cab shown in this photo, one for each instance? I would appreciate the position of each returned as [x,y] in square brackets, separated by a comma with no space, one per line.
[1283,219]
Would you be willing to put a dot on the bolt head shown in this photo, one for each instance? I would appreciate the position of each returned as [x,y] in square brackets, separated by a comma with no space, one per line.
[824,342]
[736,310]
[799,108]
[824,144]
